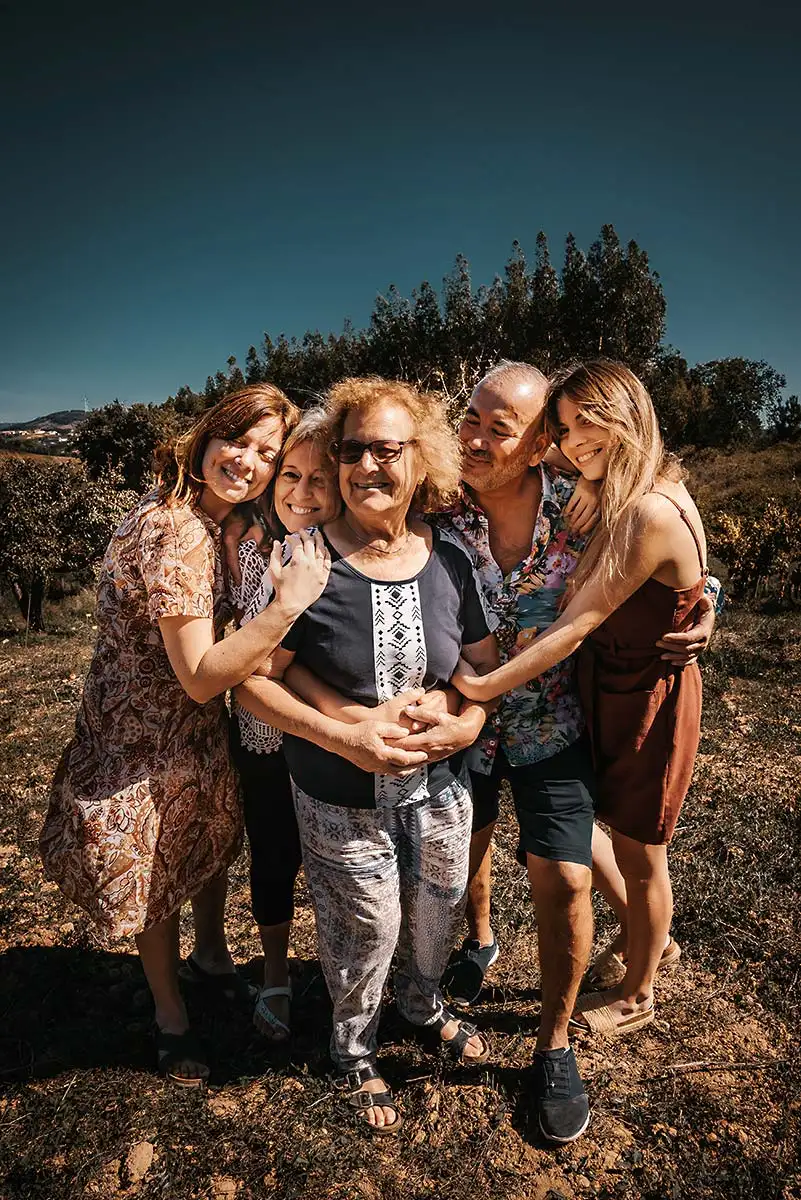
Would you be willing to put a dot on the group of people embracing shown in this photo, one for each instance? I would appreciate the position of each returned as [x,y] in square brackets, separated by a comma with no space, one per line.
[420,616]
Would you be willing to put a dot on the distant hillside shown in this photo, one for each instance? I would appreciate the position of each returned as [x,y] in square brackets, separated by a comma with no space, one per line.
[67,419]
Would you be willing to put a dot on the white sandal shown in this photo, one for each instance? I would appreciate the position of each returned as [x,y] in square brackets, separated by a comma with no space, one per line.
[265,1019]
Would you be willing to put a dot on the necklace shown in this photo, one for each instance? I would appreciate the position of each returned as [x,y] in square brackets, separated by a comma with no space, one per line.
[377,549]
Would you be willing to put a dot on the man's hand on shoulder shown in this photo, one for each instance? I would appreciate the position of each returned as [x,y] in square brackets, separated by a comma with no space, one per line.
[584,507]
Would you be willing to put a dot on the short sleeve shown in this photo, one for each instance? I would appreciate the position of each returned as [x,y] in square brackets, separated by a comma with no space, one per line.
[294,637]
[475,623]
[176,561]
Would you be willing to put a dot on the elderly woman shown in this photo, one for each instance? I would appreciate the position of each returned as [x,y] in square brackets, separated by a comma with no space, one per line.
[385,855]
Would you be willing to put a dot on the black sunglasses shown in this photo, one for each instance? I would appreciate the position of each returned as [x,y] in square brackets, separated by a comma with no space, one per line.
[384,450]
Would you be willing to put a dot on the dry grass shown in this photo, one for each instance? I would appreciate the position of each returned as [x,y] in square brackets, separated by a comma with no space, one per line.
[83,1115]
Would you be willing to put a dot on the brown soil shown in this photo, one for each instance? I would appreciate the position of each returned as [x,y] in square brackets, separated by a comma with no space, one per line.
[703,1103]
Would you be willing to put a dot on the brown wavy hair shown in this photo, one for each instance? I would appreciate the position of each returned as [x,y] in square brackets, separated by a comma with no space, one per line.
[436,443]
[613,398]
[179,465]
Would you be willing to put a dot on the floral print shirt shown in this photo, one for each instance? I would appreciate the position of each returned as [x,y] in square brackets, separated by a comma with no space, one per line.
[544,716]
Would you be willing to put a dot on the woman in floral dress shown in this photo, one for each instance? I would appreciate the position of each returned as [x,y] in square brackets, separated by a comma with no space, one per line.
[144,810]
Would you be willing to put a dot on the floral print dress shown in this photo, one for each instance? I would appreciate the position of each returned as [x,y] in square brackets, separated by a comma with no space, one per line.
[144,809]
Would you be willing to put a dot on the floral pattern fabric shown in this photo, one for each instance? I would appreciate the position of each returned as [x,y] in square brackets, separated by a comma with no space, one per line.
[144,809]
[544,716]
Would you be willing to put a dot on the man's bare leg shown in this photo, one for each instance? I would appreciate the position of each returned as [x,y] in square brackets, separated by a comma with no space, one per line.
[479,888]
[561,893]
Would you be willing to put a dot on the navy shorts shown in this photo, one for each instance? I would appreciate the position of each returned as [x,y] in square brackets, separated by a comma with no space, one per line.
[554,800]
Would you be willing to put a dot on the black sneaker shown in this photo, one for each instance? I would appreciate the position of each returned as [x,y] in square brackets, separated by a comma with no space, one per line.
[562,1105]
[467,966]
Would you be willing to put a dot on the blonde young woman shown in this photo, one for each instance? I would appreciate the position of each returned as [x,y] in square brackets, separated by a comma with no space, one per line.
[144,809]
[643,571]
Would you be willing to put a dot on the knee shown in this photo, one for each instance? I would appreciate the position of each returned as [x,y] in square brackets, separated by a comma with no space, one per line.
[564,883]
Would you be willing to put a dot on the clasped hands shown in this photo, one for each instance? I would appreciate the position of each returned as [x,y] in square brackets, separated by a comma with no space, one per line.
[425,726]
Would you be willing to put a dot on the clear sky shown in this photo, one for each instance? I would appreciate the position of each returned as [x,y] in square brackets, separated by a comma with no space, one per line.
[177,180]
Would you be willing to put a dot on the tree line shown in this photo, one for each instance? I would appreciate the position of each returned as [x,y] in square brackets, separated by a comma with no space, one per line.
[607,301]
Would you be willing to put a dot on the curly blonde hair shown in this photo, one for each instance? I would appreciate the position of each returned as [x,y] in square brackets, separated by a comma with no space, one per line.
[435,441]
[613,398]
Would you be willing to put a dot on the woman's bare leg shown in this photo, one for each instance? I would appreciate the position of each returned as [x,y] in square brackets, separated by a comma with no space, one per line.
[275,944]
[650,911]
[606,877]
[158,950]
[208,909]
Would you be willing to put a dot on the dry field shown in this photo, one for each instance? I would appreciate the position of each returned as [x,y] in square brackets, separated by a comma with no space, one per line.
[704,1103]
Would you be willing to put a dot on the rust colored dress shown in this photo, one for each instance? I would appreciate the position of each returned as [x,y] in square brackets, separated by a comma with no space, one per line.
[644,716]
[144,808]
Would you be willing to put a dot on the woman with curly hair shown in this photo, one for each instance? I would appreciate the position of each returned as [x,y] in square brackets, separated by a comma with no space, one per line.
[144,809]
[385,855]
[643,571]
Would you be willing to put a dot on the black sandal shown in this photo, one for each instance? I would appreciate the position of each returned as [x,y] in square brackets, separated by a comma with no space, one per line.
[362,1101]
[175,1048]
[454,1047]
[231,987]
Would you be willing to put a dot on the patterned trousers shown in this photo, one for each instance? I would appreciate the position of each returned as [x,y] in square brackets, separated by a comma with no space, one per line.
[384,880]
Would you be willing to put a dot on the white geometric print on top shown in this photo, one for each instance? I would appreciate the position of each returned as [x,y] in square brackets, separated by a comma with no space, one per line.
[252,597]
[399,652]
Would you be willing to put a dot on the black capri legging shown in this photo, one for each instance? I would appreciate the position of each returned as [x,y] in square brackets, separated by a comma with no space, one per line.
[272,831]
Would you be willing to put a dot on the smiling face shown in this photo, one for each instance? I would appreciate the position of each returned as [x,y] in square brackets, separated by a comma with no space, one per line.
[240,468]
[305,491]
[497,432]
[585,444]
[373,490]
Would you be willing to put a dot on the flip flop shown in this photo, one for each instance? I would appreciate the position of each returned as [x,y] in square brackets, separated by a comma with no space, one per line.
[265,1019]
[599,1017]
[231,986]
[609,968]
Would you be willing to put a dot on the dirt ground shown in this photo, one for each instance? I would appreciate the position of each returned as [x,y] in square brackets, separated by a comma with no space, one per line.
[703,1103]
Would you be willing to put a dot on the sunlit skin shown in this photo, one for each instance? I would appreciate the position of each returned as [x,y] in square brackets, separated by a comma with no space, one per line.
[377,495]
[305,491]
[239,469]
[585,444]
[496,437]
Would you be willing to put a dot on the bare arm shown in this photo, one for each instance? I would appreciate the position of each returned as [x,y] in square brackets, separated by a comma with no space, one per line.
[447,733]
[362,743]
[205,668]
[589,608]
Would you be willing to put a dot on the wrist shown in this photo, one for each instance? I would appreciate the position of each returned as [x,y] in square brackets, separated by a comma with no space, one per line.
[286,610]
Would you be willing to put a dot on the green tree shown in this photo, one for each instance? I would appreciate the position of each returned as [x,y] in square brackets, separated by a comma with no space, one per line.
[124,438]
[739,396]
[578,304]
[55,519]
[784,419]
[545,348]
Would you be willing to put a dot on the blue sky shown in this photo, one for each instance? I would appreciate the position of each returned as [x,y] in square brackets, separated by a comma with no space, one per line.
[178,184]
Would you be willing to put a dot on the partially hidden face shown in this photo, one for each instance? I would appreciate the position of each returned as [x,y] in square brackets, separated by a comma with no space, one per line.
[305,490]
[238,469]
[581,441]
[497,436]
[370,487]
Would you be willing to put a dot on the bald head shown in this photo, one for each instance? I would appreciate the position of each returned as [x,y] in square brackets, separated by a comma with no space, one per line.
[499,429]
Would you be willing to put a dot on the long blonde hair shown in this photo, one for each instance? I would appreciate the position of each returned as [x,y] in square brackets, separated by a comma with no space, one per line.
[613,398]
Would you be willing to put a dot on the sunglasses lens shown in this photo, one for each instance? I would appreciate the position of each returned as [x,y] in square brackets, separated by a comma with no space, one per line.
[386,452]
[350,451]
